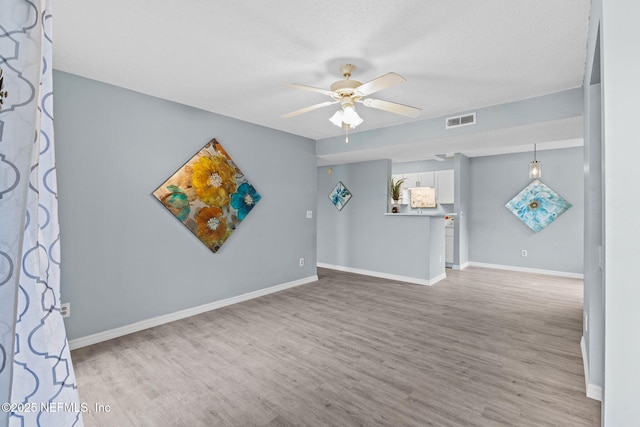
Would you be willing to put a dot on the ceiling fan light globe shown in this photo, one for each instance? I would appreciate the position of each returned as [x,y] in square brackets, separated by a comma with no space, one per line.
[336,119]
[356,123]
[351,117]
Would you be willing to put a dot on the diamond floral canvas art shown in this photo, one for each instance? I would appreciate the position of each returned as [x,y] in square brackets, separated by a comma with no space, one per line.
[209,195]
[339,196]
[537,205]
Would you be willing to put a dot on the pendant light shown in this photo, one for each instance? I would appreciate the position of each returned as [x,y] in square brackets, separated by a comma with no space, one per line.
[534,166]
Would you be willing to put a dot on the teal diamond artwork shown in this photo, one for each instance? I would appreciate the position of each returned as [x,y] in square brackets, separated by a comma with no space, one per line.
[339,196]
[537,205]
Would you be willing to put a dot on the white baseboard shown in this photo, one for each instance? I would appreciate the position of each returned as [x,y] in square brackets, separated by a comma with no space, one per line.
[593,391]
[461,267]
[414,280]
[527,270]
[166,318]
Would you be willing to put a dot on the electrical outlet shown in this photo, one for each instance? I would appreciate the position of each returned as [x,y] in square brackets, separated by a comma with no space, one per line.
[309,214]
[65,309]
[524,252]
[301,262]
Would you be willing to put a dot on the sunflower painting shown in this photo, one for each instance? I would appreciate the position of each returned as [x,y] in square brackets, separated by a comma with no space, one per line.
[209,195]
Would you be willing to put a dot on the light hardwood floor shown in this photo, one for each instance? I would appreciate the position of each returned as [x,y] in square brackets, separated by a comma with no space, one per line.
[483,347]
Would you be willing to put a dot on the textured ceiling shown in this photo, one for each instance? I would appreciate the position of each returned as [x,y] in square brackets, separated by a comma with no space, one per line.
[236,58]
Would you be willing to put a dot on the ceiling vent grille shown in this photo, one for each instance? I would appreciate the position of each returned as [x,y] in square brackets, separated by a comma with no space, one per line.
[465,120]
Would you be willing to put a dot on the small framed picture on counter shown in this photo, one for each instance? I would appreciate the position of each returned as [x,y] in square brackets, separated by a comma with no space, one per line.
[423,197]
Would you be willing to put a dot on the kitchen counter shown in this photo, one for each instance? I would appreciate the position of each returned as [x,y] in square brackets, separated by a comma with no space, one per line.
[428,214]
[427,237]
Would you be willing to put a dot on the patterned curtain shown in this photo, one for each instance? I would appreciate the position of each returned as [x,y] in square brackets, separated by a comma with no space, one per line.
[37,382]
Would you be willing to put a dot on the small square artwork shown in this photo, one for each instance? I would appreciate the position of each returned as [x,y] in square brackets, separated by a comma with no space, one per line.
[423,197]
[209,195]
[537,205]
[339,196]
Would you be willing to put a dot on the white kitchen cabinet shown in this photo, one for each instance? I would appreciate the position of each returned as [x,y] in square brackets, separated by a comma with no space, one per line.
[445,186]
[411,180]
[427,179]
[448,245]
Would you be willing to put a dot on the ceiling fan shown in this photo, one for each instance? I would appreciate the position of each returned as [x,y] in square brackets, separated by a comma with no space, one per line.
[347,92]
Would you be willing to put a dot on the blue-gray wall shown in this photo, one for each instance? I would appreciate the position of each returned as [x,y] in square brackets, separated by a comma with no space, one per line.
[496,236]
[422,166]
[621,133]
[124,257]
[565,105]
[462,185]
[593,301]
[362,237]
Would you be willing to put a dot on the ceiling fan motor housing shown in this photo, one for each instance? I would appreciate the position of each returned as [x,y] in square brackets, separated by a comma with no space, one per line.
[347,101]
[345,87]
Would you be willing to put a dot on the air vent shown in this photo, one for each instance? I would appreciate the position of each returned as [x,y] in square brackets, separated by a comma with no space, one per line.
[466,120]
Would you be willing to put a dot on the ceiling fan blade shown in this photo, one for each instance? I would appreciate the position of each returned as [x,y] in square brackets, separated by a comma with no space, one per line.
[311,89]
[392,107]
[382,82]
[307,109]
